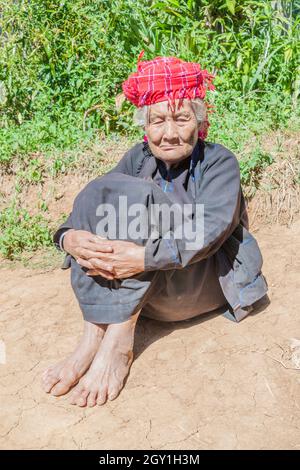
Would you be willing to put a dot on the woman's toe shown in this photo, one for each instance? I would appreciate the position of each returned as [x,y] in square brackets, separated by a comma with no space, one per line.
[49,383]
[79,395]
[60,388]
[46,373]
[113,393]
[102,396]
[82,399]
[92,399]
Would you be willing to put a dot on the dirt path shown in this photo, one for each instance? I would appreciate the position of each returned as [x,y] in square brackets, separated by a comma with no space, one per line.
[203,384]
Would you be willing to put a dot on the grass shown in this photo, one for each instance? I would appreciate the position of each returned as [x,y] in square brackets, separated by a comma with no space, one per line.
[21,231]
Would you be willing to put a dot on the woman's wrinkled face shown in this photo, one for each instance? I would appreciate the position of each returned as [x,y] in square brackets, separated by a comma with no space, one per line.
[172,135]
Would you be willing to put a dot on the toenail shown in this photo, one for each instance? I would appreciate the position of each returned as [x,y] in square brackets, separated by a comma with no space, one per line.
[112,397]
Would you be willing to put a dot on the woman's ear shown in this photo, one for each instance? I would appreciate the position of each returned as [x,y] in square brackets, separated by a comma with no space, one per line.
[145,135]
[203,127]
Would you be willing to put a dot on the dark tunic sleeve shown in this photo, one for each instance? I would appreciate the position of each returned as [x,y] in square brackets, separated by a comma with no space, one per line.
[220,194]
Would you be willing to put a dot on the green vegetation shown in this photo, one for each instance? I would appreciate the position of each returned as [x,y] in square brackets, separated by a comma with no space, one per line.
[19,231]
[62,64]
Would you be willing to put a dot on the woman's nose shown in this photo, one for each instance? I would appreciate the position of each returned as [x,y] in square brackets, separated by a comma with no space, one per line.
[170,130]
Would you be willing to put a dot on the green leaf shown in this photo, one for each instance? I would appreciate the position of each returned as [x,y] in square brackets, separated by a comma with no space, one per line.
[231,6]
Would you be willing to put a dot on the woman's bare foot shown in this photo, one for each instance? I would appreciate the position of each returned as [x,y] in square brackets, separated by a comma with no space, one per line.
[105,378]
[58,379]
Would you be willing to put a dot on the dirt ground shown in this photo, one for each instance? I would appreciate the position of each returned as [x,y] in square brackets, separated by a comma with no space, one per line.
[203,384]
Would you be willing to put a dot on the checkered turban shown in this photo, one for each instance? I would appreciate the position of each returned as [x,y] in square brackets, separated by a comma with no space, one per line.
[167,79]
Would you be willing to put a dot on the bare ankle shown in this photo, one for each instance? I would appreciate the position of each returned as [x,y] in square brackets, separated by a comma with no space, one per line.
[94,329]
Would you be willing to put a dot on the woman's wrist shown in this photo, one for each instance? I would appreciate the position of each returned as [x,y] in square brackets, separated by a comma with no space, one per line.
[64,240]
[61,240]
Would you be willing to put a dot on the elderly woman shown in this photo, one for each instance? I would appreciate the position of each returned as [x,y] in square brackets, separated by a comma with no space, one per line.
[121,273]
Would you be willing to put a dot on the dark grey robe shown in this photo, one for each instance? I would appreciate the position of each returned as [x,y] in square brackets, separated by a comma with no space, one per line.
[225,269]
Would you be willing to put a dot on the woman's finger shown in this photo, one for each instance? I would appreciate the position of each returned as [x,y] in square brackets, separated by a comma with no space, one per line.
[96,239]
[88,254]
[99,272]
[85,253]
[94,265]
[97,247]
[84,263]
[99,264]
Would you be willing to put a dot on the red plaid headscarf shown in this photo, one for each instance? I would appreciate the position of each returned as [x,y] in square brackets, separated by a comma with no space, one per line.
[167,79]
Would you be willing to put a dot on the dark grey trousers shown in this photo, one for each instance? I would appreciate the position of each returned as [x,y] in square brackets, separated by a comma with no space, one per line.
[188,291]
